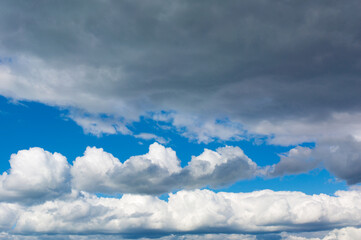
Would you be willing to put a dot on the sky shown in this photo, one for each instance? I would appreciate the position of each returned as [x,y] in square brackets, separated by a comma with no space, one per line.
[180,120]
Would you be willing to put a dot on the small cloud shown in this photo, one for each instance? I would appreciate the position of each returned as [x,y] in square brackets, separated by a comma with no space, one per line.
[150,136]
[96,125]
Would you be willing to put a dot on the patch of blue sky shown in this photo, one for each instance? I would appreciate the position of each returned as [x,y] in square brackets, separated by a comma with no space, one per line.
[315,182]
[36,125]
[31,124]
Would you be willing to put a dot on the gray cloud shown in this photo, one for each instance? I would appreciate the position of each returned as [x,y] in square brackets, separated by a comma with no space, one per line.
[342,157]
[257,63]
[297,160]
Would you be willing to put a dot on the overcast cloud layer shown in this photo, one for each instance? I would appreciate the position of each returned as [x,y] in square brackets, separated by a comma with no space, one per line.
[286,69]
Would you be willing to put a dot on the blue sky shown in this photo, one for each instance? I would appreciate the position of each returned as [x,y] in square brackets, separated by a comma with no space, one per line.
[33,124]
[180,120]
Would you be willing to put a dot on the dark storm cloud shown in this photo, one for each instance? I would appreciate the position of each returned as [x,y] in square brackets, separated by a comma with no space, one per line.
[250,61]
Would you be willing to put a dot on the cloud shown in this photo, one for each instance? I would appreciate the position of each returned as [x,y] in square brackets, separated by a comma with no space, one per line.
[98,126]
[347,233]
[198,211]
[159,170]
[342,157]
[9,213]
[35,174]
[7,236]
[290,73]
[150,136]
[297,160]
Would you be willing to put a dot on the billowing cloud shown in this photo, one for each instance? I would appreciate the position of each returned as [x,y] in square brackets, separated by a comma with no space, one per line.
[198,211]
[292,73]
[35,174]
[159,170]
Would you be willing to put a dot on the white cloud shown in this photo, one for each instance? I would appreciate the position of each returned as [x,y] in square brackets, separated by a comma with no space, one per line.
[192,211]
[35,174]
[150,136]
[93,171]
[9,213]
[205,130]
[7,236]
[159,170]
[347,233]
[98,126]
[209,162]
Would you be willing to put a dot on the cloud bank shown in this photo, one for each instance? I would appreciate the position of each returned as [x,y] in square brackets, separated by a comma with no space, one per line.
[195,211]
[43,194]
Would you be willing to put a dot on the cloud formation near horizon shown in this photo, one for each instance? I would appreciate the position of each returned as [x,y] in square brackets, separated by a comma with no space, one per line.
[198,211]
[43,194]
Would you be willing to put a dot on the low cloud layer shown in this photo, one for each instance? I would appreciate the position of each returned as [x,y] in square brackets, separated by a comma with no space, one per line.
[287,70]
[49,196]
[199,211]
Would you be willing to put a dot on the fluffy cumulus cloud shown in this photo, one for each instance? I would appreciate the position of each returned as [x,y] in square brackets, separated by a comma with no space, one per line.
[35,174]
[38,175]
[198,211]
[291,73]
[37,198]
[159,170]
